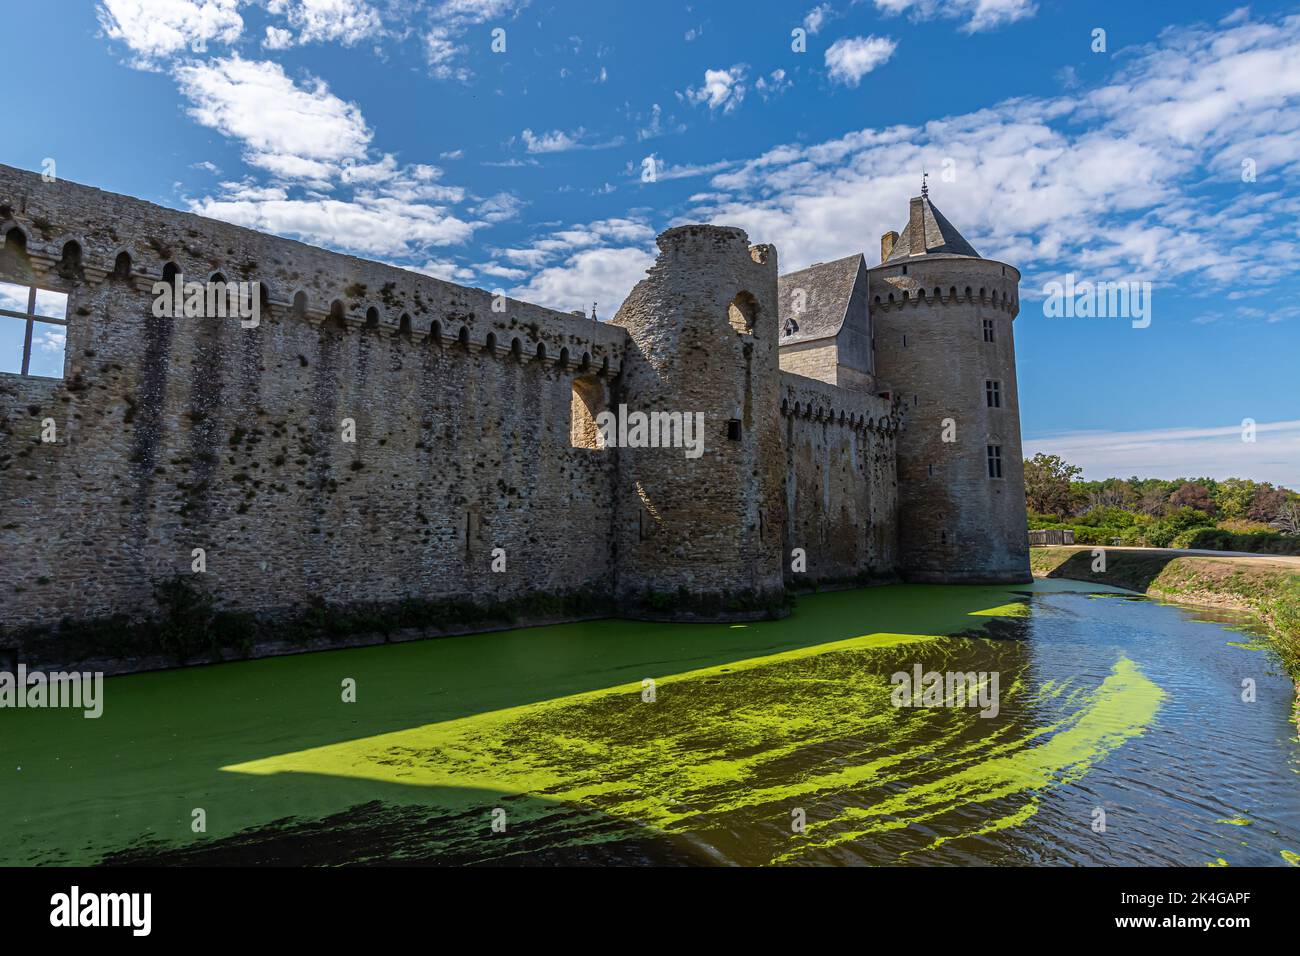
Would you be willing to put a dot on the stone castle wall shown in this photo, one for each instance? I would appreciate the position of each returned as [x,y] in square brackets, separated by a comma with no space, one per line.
[703,331]
[956,523]
[841,488]
[177,434]
[184,433]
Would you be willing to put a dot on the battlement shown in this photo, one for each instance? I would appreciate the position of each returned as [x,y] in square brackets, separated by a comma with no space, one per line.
[819,401]
[78,233]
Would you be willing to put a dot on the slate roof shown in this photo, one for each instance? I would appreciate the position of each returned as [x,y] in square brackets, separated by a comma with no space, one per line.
[827,288]
[941,237]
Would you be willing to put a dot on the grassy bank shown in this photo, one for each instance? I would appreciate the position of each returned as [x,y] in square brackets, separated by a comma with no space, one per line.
[1270,591]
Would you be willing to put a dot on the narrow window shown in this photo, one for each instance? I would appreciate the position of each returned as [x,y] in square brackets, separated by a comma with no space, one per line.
[931,471]
[988,330]
[904,341]
[588,402]
[33,330]
[733,429]
[995,461]
[742,312]
[993,393]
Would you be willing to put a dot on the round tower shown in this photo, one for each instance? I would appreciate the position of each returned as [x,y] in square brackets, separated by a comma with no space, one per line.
[942,317]
[703,519]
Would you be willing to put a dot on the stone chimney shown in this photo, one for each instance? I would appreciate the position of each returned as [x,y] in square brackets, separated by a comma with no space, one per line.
[916,226]
[887,244]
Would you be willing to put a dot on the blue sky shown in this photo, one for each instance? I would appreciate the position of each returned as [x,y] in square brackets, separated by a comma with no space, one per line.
[391,129]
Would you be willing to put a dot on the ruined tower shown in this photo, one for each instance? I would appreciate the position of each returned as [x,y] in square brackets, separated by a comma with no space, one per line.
[702,329]
[942,317]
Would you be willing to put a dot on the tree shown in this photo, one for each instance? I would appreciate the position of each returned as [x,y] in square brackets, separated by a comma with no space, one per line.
[1234,497]
[1047,484]
[1288,518]
[1267,503]
[1192,495]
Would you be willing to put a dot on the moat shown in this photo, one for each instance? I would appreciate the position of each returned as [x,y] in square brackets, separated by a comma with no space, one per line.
[1114,711]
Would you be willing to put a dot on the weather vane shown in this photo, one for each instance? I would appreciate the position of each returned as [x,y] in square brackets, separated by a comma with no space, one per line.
[925,186]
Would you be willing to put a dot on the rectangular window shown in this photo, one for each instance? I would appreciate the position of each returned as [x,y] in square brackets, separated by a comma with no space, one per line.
[995,461]
[33,330]
[733,429]
[993,393]
[988,330]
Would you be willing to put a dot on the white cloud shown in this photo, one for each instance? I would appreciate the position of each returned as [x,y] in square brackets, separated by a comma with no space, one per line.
[443,269]
[556,141]
[296,132]
[277,39]
[979,14]
[156,28]
[373,225]
[722,89]
[1186,452]
[604,276]
[450,20]
[1125,178]
[338,21]
[849,59]
[773,85]
[816,17]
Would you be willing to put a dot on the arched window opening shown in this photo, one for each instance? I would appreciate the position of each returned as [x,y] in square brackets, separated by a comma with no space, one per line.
[435,334]
[490,344]
[69,266]
[169,273]
[404,326]
[336,321]
[541,351]
[585,363]
[589,400]
[742,313]
[463,337]
[122,266]
[516,349]
[372,318]
[564,359]
[300,305]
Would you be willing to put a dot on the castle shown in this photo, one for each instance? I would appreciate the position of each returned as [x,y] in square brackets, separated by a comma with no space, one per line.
[860,422]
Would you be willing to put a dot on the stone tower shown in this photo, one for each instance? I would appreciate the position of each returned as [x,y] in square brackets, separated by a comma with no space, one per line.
[942,317]
[703,335]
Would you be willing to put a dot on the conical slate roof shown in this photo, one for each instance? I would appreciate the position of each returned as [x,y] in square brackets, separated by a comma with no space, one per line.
[938,237]
[824,291]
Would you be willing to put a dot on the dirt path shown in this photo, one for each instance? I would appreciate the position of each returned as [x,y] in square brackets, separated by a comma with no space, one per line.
[1231,557]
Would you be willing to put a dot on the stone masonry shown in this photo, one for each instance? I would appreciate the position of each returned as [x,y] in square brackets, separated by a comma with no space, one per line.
[476,472]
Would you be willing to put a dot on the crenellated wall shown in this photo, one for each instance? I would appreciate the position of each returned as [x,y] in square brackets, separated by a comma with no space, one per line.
[957,523]
[176,434]
[472,420]
[841,487]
